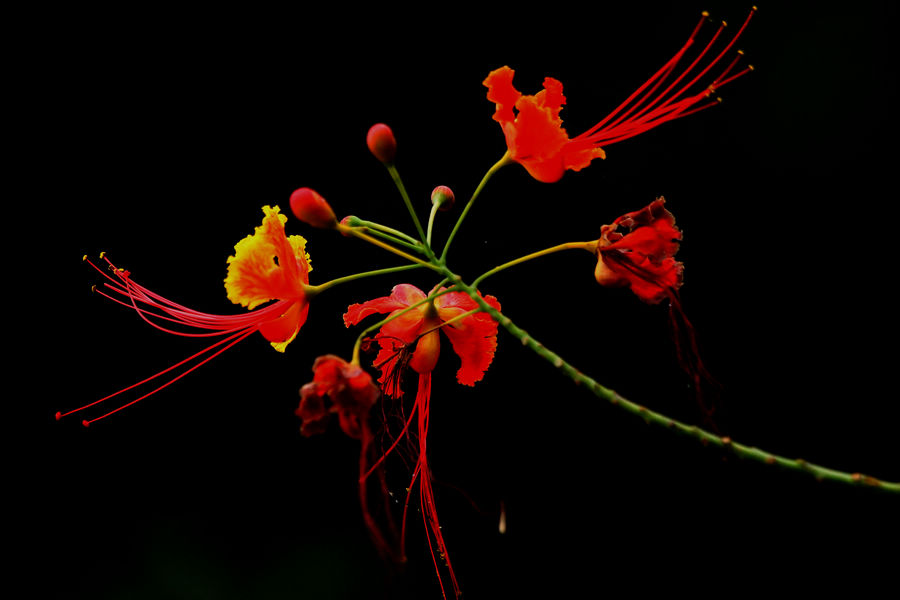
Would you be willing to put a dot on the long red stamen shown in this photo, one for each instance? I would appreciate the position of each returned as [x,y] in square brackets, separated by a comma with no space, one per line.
[152,307]
[422,474]
[646,108]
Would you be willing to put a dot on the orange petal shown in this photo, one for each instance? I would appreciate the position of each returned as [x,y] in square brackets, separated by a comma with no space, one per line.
[502,93]
[402,296]
[282,331]
[267,265]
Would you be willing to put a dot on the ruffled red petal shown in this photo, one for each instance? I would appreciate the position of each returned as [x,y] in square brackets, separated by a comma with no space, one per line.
[402,296]
[474,338]
[643,257]
[502,93]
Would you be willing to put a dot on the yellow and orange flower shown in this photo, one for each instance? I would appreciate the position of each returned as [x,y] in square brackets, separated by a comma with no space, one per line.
[266,266]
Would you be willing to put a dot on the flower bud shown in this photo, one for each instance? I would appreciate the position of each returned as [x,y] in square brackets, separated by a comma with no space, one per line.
[348,222]
[381,143]
[313,209]
[443,197]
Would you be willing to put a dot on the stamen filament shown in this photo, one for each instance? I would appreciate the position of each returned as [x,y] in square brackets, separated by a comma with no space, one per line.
[230,341]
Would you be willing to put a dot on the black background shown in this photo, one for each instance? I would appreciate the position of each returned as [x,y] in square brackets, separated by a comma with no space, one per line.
[159,136]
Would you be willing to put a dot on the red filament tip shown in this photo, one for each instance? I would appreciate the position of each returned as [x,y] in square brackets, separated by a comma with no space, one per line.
[669,94]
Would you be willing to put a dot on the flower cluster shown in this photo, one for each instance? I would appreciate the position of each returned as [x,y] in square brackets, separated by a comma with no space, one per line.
[269,276]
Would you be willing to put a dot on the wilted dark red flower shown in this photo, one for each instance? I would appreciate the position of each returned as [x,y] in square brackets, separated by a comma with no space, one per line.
[641,257]
[350,394]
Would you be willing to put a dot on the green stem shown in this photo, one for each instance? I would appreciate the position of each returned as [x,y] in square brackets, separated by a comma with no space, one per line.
[655,418]
[590,246]
[434,209]
[315,289]
[376,242]
[505,160]
[386,229]
[395,175]
[415,246]
[388,319]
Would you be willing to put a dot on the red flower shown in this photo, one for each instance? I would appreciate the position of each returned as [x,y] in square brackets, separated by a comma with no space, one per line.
[350,391]
[533,129]
[641,258]
[413,339]
[266,266]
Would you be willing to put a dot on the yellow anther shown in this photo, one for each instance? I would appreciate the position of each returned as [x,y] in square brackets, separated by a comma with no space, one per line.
[84,257]
[102,254]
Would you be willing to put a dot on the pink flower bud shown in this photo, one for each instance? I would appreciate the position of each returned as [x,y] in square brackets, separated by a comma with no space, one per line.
[313,209]
[443,197]
[381,143]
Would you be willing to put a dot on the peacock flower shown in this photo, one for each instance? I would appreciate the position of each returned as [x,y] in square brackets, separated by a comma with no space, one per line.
[412,337]
[533,129]
[642,257]
[267,267]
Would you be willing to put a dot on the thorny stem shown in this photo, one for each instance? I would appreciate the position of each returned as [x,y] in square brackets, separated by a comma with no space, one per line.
[655,418]
[589,246]
[505,160]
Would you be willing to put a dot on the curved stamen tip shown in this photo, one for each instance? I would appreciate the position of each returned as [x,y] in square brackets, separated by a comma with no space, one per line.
[94,288]
[86,423]
[751,67]
[753,8]
[724,23]
[58,415]
[102,254]
[84,258]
